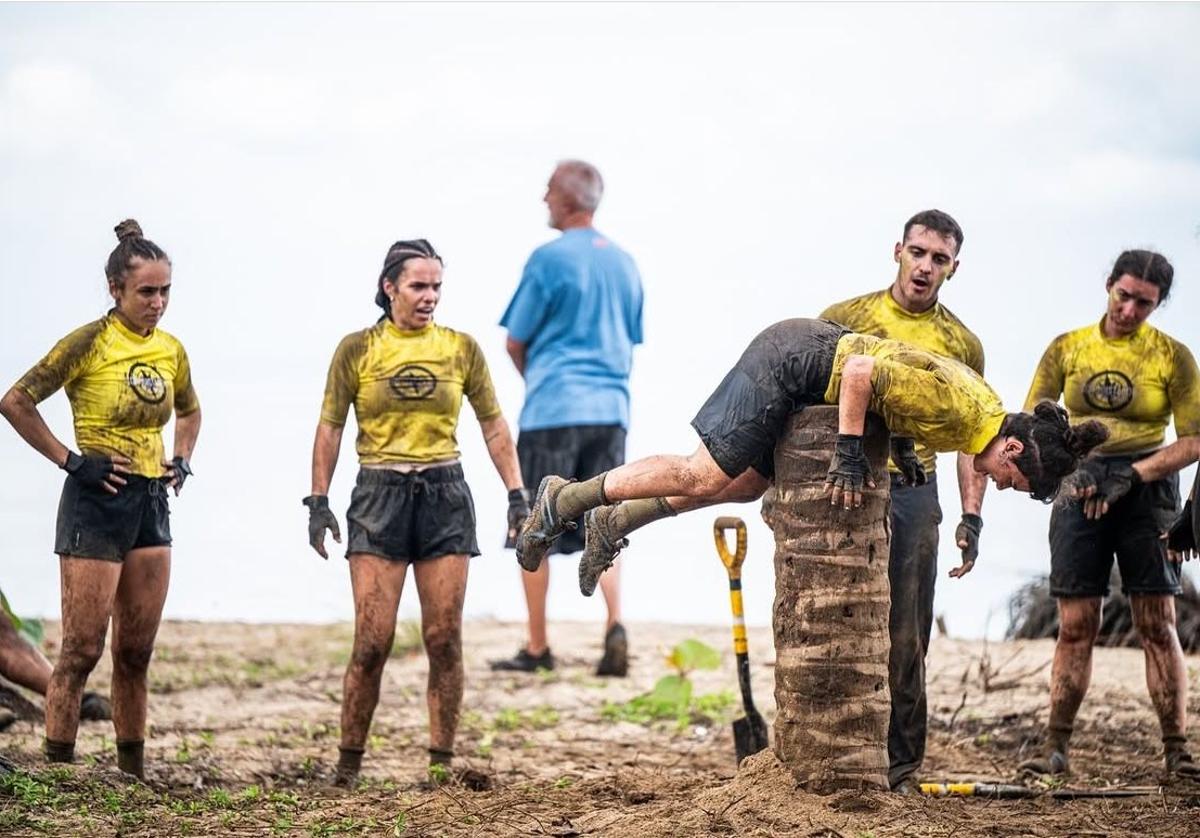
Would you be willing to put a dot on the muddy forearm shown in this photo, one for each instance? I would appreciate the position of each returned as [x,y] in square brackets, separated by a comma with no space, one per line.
[187,429]
[325,456]
[854,394]
[971,485]
[23,415]
[502,451]
[1178,455]
[516,351]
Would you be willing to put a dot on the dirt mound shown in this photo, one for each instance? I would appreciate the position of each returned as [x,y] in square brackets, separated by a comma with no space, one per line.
[1033,615]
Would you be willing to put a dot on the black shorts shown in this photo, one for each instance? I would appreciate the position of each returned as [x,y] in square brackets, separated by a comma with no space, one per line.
[96,524]
[413,516]
[785,368]
[1081,551]
[577,452]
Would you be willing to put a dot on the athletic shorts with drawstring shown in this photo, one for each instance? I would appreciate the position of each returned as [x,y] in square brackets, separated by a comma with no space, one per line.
[784,369]
[410,516]
[1082,551]
[95,524]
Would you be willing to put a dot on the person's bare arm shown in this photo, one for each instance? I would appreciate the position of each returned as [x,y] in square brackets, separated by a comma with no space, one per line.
[854,394]
[503,451]
[1166,461]
[516,351]
[26,419]
[326,446]
[849,471]
[187,429]
[971,487]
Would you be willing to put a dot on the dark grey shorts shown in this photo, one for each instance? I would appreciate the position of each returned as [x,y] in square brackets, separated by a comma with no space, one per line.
[577,452]
[1082,551]
[409,517]
[95,524]
[785,368]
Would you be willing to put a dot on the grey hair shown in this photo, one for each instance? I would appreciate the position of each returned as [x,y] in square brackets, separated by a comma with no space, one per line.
[582,182]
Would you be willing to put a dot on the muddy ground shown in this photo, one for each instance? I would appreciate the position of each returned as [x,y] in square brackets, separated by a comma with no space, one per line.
[244,736]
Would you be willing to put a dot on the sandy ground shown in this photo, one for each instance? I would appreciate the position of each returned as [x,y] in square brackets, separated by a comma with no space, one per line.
[244,735]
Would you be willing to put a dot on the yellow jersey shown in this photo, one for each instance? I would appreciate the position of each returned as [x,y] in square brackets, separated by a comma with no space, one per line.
[407,389]
[122,387]
[1131,384]
[941,403]
[935,330]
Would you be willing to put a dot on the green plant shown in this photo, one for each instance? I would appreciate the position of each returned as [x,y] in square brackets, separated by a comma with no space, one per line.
[30,629]
[439,773]
[672,696]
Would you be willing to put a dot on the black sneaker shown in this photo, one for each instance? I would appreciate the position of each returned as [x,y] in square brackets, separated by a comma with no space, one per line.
[94,708]
[615,662]
[522,661]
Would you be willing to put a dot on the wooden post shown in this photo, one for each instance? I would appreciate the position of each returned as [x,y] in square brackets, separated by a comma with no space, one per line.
[831,611]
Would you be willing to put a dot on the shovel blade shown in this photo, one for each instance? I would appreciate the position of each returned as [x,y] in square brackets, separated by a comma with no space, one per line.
[749,736]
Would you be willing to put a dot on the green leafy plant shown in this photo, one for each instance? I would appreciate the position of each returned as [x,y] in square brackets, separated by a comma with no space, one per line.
[30,629]
[672,697]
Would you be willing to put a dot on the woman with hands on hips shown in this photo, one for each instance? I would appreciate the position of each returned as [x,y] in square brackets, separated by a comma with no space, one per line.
[406,377]
[123,377]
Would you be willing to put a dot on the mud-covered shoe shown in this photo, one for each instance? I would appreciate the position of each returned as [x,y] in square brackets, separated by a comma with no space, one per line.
[1180,764]
[95,708]
[542,526]
[1053,762]
[615,662]
[600,548]
[522,661]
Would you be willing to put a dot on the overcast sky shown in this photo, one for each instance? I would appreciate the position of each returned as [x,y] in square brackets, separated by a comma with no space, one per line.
[760,162]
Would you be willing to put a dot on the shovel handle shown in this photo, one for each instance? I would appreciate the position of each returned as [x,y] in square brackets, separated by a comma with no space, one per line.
[732,561]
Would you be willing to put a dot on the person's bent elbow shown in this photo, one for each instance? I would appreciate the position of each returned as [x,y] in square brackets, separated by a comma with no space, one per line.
[15,401]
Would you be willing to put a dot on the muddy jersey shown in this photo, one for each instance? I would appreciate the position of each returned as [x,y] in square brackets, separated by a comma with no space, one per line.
[407,389]
[941,403]
[1132,384]
[122,388]
[936,330]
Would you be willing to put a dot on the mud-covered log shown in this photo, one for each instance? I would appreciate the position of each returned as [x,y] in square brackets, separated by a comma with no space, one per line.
[831,611]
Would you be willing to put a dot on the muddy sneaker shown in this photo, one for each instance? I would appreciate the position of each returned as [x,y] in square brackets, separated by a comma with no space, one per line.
[600,549]
[615,662]
[94,708]
[1055,762]
[1180,764]
[522,661]
[542,526]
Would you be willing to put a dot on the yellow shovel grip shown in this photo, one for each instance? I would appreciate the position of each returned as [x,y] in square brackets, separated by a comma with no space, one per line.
[733,563]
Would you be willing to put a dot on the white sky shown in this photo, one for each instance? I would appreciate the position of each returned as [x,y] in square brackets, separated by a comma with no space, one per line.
[760,161]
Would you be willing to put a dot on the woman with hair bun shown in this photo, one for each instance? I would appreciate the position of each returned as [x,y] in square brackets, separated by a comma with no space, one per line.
[123,377]
[406,377]
[1132,378]
[922,397]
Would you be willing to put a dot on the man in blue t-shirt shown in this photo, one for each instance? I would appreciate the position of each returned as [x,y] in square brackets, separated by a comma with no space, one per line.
[572,325]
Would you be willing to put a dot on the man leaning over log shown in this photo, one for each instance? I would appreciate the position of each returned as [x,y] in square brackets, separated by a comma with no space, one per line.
[922,397]
[909,310]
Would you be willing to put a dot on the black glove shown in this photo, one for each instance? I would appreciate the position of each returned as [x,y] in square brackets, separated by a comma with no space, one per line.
[320,518]
[90,471]
[1181,537]
[182,471]
[904,455]
[968,530]
[518,511]
[1121,477]
[1089,475]
[849,470]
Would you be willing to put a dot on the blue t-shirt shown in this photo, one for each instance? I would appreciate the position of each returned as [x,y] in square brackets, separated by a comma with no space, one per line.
[578,310]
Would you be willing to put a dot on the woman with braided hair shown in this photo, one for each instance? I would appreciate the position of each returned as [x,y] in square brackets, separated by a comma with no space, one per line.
[922,397]
[1134,379]
[123,377]
[406,377]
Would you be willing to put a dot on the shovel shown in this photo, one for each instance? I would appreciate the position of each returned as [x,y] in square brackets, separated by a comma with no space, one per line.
[750,731]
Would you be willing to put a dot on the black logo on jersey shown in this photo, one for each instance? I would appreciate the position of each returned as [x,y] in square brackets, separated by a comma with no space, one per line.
[146,382]
[1109,390]
[413,382]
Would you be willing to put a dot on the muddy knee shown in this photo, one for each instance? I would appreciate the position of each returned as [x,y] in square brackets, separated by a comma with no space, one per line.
[370,656]
[444,646]
[1154,618]
[134,660]
[1080,629]
[78,658]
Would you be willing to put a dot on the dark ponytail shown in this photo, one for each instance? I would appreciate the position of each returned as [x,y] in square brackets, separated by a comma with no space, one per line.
[393,266]
[1053,447]
[131,244]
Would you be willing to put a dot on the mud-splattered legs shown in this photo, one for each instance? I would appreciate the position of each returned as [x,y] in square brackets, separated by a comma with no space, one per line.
[88,589]
[1166,674]
[1079,623]
[441,585]
[137,612]
[377,584]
